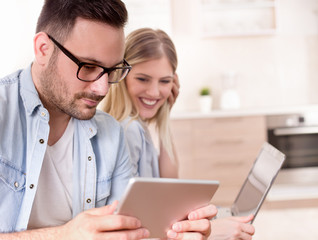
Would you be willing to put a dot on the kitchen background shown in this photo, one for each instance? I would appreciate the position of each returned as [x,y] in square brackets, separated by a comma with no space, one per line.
[269,47]
[266,51]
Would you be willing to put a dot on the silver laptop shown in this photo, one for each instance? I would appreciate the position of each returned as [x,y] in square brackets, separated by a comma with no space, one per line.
[257,184]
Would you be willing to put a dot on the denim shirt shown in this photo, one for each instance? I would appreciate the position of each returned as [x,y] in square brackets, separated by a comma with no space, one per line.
[101,165]
[143,154]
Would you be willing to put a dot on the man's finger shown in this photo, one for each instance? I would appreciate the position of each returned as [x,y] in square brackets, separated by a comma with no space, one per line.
[202,225]
[128,234]
[115,222]
[208,212]
[184,236]
[105,210]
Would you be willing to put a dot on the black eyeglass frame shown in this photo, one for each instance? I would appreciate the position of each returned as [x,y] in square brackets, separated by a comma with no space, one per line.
[81,64]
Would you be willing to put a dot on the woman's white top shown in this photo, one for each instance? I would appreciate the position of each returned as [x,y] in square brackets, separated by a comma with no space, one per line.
[143,154]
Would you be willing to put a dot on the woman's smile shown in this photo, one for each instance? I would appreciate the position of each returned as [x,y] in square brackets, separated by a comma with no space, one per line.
[148,102]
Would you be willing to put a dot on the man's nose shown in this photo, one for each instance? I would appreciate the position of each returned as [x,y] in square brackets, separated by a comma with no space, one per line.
[100,86]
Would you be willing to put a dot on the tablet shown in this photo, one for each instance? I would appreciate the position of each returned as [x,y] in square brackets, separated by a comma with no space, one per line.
[160,202]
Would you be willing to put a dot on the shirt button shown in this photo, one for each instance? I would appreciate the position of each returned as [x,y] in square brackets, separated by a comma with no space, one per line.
[43,114]
[16,184]
[41,141]
[31,186]
[88,200]
[89,158]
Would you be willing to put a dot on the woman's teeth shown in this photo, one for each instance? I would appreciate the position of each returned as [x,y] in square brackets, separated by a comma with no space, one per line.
[149,102]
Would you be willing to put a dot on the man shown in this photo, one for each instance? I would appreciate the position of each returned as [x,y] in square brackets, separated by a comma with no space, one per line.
[61,161]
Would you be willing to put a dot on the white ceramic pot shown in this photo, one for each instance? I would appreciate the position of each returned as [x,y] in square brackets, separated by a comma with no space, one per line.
[206,103]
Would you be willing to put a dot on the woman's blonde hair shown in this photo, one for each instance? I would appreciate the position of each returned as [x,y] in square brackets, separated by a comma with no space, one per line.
[143,45]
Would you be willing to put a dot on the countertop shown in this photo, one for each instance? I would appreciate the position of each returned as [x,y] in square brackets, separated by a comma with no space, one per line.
[286,224]
[264,111]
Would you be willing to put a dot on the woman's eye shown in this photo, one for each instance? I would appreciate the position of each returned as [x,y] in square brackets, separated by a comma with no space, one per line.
[165,81]
[141,79]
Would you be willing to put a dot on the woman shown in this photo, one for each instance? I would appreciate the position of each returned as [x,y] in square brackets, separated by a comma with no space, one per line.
[145,97]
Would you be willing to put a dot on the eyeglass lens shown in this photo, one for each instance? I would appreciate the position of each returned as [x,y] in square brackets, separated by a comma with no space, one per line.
[91,72]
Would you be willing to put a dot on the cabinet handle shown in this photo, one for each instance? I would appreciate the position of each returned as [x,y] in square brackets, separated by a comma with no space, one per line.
[295,131]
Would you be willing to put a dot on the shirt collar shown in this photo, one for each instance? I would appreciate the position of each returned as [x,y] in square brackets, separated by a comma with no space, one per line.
[28,92]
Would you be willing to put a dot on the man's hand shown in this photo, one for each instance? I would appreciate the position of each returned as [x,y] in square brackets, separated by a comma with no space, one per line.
[101,223]
[197,226]
[97,223]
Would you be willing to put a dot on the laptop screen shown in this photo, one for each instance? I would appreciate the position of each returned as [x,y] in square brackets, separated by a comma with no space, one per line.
[258,182]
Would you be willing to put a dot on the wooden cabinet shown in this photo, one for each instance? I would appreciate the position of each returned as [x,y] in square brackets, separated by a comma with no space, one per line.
[219,149]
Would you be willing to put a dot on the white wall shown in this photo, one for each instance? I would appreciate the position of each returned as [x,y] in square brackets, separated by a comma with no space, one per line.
[272,70]
[17,24]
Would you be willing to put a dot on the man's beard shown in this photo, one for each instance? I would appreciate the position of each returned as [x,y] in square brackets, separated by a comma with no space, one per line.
[56,96]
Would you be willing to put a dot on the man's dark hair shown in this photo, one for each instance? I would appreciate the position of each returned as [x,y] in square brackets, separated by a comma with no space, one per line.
[58,16]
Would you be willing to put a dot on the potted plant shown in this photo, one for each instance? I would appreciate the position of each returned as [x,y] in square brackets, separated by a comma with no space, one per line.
[205,100]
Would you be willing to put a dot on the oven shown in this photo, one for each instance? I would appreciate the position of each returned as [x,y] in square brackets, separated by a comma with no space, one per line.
[296,135]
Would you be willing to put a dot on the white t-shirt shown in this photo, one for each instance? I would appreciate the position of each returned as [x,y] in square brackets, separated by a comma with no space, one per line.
[52,205]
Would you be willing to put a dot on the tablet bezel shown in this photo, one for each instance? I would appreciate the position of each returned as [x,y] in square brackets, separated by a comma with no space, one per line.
[159,202]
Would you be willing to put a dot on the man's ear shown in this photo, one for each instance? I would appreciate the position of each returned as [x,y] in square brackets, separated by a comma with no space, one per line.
[43,48]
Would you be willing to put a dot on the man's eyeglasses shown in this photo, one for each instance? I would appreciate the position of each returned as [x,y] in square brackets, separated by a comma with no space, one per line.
[89,72]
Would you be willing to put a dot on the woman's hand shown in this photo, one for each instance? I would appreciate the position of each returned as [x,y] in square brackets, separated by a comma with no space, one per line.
[174,91]
[234,228]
